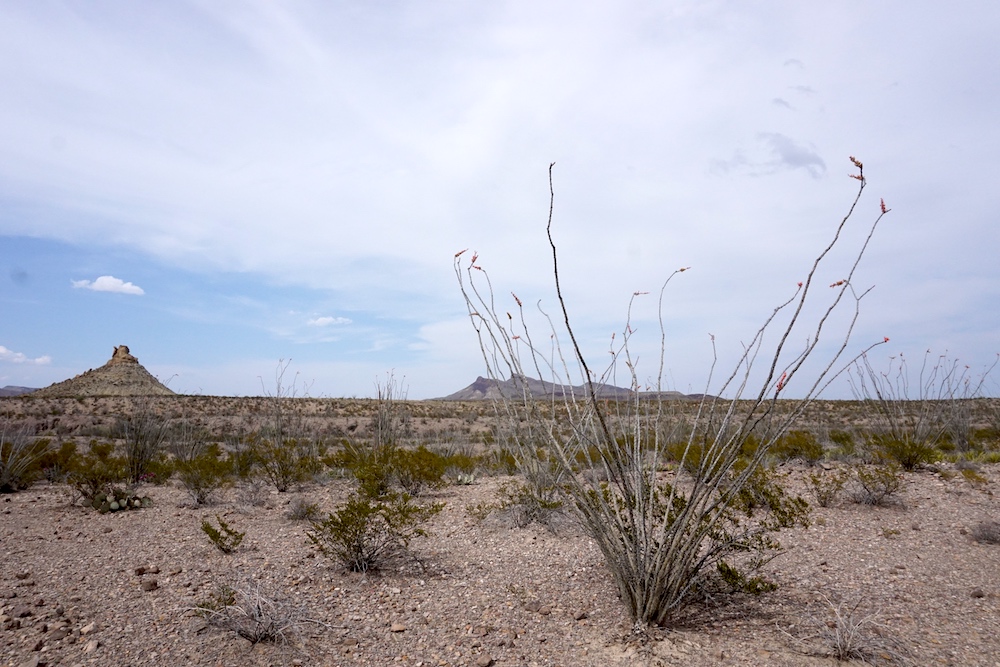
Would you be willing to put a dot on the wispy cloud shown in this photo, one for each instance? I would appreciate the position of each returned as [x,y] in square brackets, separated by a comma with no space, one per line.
[327,321]
[109,284]
[12,357]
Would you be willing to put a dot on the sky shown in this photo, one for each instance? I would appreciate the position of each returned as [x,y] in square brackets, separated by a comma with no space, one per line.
[236,188]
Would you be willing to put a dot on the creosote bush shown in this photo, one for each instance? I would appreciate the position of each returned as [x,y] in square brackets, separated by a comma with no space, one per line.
[876,485]
[365,531]
[677,509]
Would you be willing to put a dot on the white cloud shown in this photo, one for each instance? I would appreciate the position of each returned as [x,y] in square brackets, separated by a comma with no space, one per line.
[12,357]
[109,284]
[327,321]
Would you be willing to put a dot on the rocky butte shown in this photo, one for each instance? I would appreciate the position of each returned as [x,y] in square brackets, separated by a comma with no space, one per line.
[123,375]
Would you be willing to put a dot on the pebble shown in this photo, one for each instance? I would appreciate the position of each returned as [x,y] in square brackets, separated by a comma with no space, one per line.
[484,661]
[150,585]
[397,627]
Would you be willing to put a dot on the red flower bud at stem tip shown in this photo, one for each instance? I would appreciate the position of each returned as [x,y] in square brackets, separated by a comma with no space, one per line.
[516,299]
[800,283]
[683,270]
[857,163]
[885,340]
[884,209]
[781,382]
[461,252]
[475,256]
[838,283]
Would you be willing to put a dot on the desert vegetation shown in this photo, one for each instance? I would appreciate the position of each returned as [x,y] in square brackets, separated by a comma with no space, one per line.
[571,525]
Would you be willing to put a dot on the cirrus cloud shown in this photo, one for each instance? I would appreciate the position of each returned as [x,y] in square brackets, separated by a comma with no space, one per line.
[327,321]
[109,284]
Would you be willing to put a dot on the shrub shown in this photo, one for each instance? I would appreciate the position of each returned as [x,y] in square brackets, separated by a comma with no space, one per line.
[250,613]
[417,469]
[19,455]
[301,509]
[97,470]
[225,538]
[844,441]
[363,532]
[57,463]
[287,462]
[904,450]
[144,431]
[826,487]
[877,485]
[525,504]
[664,543]
[204,474]
[798,445]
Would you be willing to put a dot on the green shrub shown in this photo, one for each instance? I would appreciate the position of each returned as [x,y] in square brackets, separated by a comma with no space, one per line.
[363,532]
[97,470]
[906,451]
[844,441]
[286,463]
[372,466]
[57,463]
[417,469]
[225,538]
[826,487]
[798,445]
[204,474]
[528,504]
[877,485]
[19,456]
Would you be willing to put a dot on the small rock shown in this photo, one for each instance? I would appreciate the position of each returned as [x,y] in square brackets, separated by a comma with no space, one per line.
[91,646]
[107,529]
[915,526]
[545,610]
[38,645]
[484,661]
[533,605]
[150,585]
[580,615]
[22,575]
[174,571]
[397,627]
[87,629]
[22,611]
[348,641]
[33,661]
[40,602]
[153,570]
[139,571]
[58,633]
[978,593]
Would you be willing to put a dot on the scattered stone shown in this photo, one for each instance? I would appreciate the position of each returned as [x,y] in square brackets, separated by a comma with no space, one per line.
[533,605]
[153,570]
[22,575]
[91,646]
[978,593]
[22,612]
[33,661]
[107,529]
[397,627]
[58,633]
[139,571]
[150,585]
[87,629]
[174,571]
[580,615]
[484,661]
[545,610]
[40,602]
[38,645]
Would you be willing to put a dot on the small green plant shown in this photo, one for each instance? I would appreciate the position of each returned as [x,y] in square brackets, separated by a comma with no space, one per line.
[286,462]
[116,499]
[480,511]
[525,504]
[363,532]
[826,487]
[225,538]
[889,533]
[844,443]
[877,485]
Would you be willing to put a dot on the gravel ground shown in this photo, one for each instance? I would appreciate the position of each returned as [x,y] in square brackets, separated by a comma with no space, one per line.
[81,588]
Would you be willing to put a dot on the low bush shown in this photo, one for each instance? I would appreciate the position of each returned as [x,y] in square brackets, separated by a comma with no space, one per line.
[418,469]
[19,456]
[877,485]
[286,462]
[798,445]
[225,538]
[826,486]
[97,470]
[204,474]
[365,531]
[908,452]
[250,613]
[301,509]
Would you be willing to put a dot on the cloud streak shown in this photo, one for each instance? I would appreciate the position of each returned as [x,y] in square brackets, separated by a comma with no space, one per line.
[108,284]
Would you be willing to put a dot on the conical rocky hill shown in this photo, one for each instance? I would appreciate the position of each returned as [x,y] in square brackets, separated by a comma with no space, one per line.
[123,375]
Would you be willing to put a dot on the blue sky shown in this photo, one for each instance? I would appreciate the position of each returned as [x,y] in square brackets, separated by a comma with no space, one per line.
[220,185]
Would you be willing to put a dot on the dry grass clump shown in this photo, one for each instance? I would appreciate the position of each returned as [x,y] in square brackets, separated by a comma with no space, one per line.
[250,613]
[848,634]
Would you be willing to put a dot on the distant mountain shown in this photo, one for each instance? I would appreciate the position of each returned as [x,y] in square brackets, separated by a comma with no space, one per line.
[11,390]
[485,388]
[123,375]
